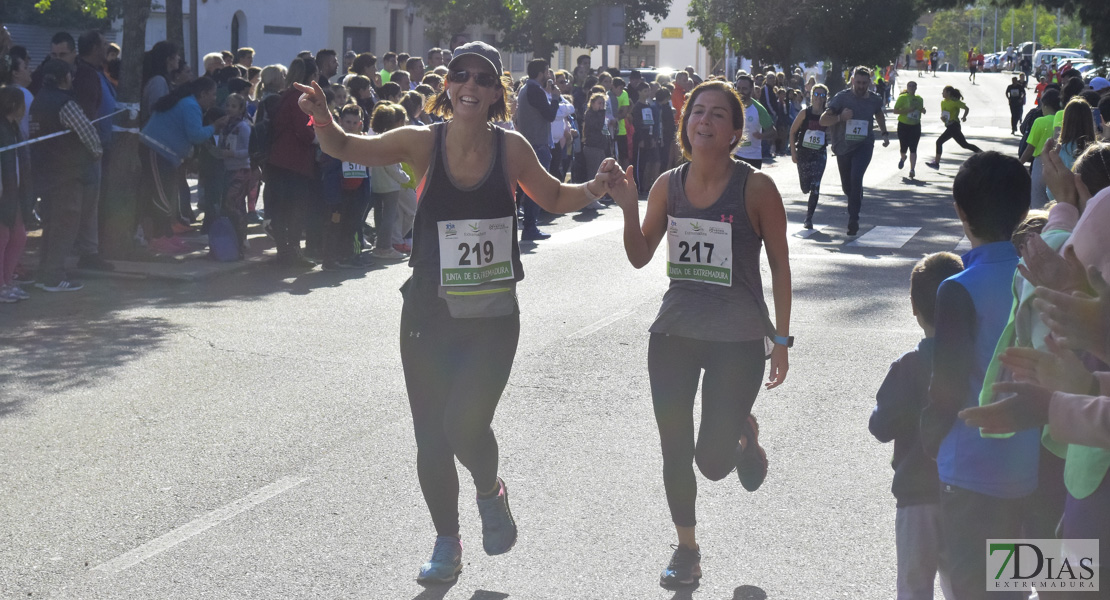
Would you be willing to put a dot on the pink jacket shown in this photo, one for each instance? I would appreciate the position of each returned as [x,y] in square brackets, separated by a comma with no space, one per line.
[1082,420]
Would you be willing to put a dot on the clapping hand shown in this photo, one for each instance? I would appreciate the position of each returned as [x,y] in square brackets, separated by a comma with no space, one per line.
[1045,268]
[1026,409]
[1079,321]
[1058,369]
[1066,187]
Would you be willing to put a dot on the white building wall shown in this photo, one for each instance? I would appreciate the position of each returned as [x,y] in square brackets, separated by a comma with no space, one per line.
[670,53]
[304,29]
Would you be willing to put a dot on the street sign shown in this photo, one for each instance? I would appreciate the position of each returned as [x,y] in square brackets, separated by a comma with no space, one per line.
[605,26]
[673,33]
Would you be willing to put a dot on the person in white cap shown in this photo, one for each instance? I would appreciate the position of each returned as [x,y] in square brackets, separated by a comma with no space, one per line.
[460,322]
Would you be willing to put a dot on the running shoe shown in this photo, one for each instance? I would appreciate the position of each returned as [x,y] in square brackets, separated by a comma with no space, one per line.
[901,163]
[853,228]
[23,276]
[808,224]
[912,174]
[751,465]
[7,296]
[18,292]
[933,165]
[498,526]
[446,562]
[684,568]
[61,286]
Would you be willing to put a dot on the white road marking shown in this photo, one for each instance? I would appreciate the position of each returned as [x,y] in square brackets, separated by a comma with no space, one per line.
[885,236]
[583,232]
[198,525]
[963,247]
[796,230]
[601,323]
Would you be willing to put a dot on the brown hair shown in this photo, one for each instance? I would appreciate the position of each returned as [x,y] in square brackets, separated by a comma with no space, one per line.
[11,100]
[440,105]
[1034,223]
[351,109]
[925,279]
[1093,166]
[736,106]
[1078,125]
[387,116]
[596,97]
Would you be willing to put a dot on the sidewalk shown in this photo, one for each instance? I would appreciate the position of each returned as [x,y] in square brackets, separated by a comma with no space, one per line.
[191,266]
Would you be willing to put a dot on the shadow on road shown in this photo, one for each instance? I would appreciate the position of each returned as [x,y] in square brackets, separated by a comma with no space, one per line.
[749,592]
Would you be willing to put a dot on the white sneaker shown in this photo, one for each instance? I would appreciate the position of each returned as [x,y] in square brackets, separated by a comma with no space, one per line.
[6,295]
[595,205]
[18,292]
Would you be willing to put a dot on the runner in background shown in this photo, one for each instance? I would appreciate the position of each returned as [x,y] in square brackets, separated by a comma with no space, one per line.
[950,107]
[851,117]
[909,107]
[807,148]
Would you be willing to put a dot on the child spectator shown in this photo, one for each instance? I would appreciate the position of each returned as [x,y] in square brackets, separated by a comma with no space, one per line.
[238,176]
[346,197]
[648,137]
[16,198]
[211,178]
[903,394]
[341,96]
[984,481]
[386,182]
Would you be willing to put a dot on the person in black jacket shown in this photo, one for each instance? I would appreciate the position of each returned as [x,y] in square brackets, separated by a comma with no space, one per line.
[900,398]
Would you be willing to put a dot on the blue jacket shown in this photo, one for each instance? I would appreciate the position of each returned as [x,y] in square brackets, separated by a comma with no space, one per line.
[972,309]
[331,172]
[173,133]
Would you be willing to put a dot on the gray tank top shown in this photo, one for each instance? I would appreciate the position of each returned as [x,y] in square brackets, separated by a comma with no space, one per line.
[709,312]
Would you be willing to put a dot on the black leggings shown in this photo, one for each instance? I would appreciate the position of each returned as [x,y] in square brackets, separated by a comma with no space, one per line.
[733,372]
[908,137]
[953,131]
[455,372]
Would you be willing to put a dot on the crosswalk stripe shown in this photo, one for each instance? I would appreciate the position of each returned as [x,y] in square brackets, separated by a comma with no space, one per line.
[963,247]
[885,236]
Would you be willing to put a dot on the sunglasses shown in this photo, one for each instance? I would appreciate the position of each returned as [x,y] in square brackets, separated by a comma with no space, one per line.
[483,79]
[820,95]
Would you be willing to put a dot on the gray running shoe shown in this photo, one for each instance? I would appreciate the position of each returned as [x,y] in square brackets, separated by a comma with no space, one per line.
[498,526]
[446,562]
[684,568]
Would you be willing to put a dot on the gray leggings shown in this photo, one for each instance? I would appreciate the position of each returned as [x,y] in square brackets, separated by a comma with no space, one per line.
[733,372]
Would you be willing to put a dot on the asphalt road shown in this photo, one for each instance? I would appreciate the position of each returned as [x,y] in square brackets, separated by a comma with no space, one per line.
[249,436]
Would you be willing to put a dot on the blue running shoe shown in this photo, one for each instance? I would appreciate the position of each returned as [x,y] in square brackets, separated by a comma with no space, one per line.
[498,527]
[446,562]
[683,570]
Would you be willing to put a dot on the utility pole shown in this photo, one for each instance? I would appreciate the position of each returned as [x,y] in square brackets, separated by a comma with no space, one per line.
[996,29]
[1057,26]
[1011,27]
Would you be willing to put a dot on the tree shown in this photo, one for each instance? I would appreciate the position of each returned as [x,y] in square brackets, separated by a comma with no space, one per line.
[76,14]
[1092,13]
[175,25]
[536,26]
[847,32]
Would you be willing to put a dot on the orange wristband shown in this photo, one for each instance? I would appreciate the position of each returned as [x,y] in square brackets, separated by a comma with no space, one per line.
[312,121]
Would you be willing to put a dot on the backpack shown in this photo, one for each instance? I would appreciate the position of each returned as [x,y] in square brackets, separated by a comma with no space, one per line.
[223,242]
[262,137]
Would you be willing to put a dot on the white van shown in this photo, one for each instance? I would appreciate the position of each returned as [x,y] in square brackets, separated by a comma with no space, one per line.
[1042,60]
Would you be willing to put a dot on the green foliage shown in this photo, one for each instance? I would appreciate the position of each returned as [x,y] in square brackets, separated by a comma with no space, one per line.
[79,14]
[1094,14]
[536,26]
[771,31]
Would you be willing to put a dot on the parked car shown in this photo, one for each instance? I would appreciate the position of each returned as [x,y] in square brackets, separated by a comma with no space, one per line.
[648,73]
[1042,59]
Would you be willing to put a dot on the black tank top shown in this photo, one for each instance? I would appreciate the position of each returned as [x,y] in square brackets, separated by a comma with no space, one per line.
[444,200]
